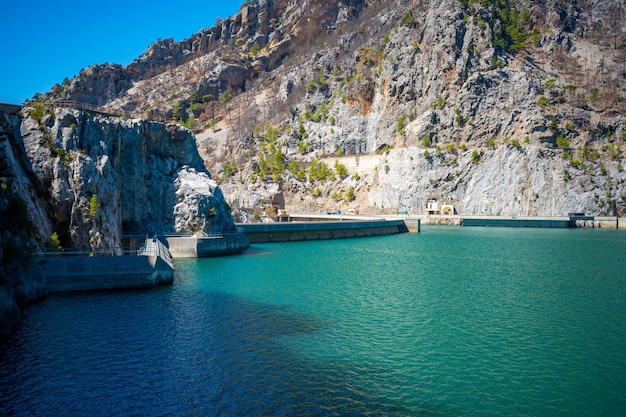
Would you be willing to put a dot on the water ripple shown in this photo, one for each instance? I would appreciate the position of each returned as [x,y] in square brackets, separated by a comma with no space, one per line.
[453,322]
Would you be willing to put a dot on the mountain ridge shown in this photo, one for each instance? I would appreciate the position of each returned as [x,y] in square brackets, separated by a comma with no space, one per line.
[313,80]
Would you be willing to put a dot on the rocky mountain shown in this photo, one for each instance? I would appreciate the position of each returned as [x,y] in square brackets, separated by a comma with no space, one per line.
[495,106]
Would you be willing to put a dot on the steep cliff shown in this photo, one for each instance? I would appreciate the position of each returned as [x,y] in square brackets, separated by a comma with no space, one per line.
[483,91]
[23,223]
[107,176]
[82,180]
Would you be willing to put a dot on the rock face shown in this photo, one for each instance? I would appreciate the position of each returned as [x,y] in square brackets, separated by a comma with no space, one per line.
[200,204]
[108,176]
[84,180]
[23,222]
[285,82]
[508,181]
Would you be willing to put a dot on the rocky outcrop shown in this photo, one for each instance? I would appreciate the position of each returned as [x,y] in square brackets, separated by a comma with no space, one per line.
[83,180]
[108,176]
[23,225]
[512,181]
[200,205]
[270,25]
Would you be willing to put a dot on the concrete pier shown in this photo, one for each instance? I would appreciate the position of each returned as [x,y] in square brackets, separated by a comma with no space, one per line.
[149,267]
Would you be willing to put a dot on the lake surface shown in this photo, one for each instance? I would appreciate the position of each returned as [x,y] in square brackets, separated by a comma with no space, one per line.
[451,322]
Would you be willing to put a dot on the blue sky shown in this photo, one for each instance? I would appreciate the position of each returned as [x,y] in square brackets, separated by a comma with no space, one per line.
[44,41]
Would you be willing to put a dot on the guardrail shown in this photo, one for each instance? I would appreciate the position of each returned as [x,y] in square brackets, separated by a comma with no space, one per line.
[188,234]
[72,104]
[112,251]
[154,247]
[150,247]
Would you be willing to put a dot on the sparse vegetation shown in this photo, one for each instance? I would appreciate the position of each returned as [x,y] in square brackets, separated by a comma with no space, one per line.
[407,19]
[94,205]
[229,169]
[400,124]
[225,96]
[594,95]
[512,28]
[37,111]
[177,111]
[319,171]
[304,147]
[350,195]
[255,49]
[272,158]
[562,142]
[544,101]
[55,243]
[340,169]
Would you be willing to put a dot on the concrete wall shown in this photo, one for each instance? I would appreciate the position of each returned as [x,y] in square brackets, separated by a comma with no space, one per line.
[496,221]
[285,232]
[359,164]
[78,273]
[413,225]
[610,222]
[182,246]
[206,246]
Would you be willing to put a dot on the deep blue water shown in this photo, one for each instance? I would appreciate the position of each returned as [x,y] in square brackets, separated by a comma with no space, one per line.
[451,322]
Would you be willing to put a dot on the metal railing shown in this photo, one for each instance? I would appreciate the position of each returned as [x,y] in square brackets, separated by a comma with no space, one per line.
[150,247]
[238,230]
[111,251]
[154,247]
[72,104]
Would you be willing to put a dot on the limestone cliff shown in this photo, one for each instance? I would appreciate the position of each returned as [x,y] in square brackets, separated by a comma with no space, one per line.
[82,180]
[23,222]
[481,91]
[107,176]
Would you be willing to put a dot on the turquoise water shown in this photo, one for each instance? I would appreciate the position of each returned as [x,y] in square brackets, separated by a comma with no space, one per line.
[451,322]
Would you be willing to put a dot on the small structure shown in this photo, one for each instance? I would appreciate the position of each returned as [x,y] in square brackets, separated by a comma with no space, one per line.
[432,207]
[283,215]
[447,209]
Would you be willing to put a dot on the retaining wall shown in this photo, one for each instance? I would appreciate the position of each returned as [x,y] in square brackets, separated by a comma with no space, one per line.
[610,222]
[287,232]
[543,222]
[206,246]
[79,273]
